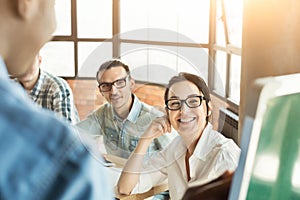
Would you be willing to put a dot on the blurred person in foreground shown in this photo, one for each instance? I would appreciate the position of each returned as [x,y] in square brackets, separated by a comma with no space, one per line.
[49,91]
[40,156]
[198,155]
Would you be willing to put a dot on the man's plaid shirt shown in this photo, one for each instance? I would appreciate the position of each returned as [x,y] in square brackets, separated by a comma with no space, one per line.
[54,93]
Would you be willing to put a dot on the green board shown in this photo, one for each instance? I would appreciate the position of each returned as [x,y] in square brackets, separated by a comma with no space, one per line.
[276,168]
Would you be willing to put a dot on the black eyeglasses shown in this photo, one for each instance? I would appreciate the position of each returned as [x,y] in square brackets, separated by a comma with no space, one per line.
[191,102]
[106,86]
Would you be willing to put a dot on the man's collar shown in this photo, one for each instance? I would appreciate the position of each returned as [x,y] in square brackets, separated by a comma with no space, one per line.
[135,109]
[3,69]
[38,85]
[133,113]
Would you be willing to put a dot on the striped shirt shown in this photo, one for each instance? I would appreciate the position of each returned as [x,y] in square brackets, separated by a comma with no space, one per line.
[120,136]
[54,93]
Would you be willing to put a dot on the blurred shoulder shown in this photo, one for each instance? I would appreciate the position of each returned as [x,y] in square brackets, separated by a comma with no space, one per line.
[155,111]
[55,81]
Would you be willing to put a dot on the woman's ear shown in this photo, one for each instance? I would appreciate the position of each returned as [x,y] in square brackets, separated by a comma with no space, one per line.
[209,111]
[166,109]
[209,108]
[132,83]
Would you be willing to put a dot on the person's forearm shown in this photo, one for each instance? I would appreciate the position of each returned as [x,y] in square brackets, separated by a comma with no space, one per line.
[131,171]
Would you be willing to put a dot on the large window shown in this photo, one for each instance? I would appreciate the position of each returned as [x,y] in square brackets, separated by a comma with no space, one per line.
[227,49]
[157,38]
[162,38]
[82,26]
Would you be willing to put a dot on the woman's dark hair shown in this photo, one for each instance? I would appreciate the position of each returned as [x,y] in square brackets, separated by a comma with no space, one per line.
[110,64]
[183,76]
[198,81]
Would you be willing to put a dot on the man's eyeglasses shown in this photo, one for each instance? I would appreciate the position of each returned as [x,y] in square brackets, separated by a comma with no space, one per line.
[191,102]
[106,86]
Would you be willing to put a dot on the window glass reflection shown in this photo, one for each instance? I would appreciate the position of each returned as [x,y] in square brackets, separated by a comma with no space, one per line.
[234,16]
[190,20]
[94,18]
[63,17]
[235,78]
[58,58]
[91,55]
[220,73]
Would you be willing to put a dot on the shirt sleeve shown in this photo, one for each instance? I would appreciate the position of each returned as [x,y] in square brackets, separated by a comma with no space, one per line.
[154,172]
[227,159]
[63,102]
[82,176]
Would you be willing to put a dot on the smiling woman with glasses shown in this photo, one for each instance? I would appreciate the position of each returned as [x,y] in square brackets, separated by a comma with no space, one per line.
[198,155]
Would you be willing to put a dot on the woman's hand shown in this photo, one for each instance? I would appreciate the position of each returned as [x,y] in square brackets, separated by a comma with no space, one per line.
[158,127]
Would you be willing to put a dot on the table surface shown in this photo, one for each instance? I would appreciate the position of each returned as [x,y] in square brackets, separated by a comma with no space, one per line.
[155,190]
[120,162]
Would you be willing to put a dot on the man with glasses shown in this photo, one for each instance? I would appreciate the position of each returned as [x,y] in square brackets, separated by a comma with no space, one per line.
[124,118]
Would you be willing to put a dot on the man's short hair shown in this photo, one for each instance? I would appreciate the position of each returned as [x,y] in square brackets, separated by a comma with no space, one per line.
[112,63]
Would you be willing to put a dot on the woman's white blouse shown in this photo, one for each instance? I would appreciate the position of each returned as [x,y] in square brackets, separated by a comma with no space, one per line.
[213,155]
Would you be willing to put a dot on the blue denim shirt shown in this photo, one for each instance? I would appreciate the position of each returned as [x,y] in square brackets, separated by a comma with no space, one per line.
[40,157]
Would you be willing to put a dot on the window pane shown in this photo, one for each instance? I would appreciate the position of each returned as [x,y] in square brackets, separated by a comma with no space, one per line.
[94,18]
[136,56]
[91,55]
[234,16]
[133,16]
[193,60]
[150,63]
[158,18]
[63,17]
[220,73]
[58,58]
[176,16]
[193,20]
[235,78]
[220,31]
[156,64]
[162,62]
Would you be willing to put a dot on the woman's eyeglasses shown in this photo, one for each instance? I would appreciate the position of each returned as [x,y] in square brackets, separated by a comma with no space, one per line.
[106,86]
[191,102]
